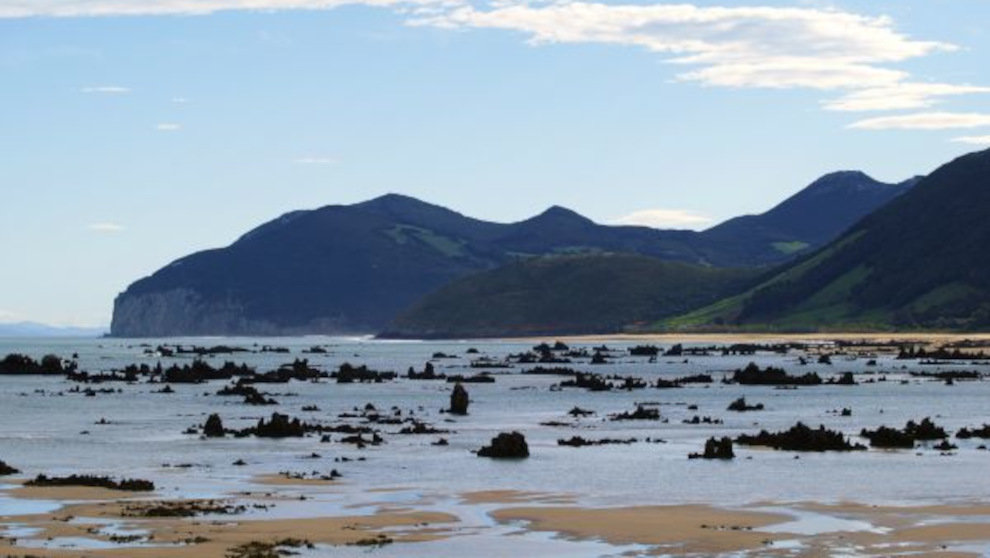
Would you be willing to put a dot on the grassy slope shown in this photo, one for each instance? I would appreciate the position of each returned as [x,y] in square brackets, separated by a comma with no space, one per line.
[566,294]
[917,263]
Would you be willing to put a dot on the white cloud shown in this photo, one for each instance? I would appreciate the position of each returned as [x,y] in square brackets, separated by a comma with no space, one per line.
[973,140]
[180,100]
[925,121]
[6,315]
[731,46]
[98,8]
[724,46]
[904,95]
[105,227]
[664,219]
[168,127]
[315,161]
[106,89]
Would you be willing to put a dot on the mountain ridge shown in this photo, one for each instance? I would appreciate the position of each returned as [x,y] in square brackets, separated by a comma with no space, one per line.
[353,268]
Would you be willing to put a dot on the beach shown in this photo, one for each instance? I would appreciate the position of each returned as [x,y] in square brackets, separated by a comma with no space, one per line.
[410,496]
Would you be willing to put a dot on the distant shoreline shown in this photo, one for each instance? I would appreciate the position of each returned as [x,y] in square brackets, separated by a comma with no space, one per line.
[685,337]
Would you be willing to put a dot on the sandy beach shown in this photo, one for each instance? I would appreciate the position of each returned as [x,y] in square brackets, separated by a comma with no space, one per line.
[764,529]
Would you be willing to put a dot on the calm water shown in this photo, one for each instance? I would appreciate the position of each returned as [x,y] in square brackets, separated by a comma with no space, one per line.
[41,425]
[41,432]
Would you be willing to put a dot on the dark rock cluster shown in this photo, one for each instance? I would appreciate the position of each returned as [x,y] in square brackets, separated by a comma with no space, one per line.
[740,405]
[716,449]
[131,485]
[801,438]
[886,437]
[7,469]
[752,375]
[507,445]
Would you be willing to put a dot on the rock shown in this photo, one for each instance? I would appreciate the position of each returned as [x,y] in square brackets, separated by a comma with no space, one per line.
[133,485]
[801,438]
[459,400]
[49,364]
[482,378]
[716,449]
[7,469]
[740,405]
[348,374]
[506,446]
[641,413]
[945,445]
[428,373]
[417,427]
[981,432]
[925,430]
[644,350]
[279,426]
[752,375]
[846,379]
[213,427]
[578,441]
[702,420]
[885,437]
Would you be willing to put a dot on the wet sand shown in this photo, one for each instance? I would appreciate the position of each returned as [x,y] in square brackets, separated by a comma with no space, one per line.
[284,480]
[761,529]
[215,535]
[677,529]
[70,493]
[927,530]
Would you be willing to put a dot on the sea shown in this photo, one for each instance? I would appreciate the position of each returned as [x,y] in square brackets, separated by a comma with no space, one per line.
[48,426]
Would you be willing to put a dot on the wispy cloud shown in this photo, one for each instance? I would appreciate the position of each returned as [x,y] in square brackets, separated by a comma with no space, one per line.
[900,96]
[315,161]
[105,227]
[722,46]
[973,140]
[925,121]
[7,315]
[106,89]
[180,100]
[740,47]
[97,8]
[665,219]
[168,127]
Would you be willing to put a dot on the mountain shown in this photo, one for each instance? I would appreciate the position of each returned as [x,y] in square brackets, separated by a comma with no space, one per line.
[35,329]
[808,219]
[918,262]
[348,269]
[560,295]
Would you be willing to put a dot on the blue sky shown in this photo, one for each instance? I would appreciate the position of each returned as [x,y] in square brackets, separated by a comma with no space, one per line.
[135,132]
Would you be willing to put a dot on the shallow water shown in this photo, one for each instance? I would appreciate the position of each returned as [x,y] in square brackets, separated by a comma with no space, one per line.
[41,425]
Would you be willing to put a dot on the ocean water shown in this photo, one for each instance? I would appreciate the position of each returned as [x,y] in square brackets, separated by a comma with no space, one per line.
[42,425]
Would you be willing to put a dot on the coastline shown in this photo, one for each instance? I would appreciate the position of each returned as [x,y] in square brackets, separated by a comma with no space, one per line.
[926,337]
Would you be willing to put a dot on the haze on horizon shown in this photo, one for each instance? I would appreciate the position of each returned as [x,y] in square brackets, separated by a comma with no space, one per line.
[138,132]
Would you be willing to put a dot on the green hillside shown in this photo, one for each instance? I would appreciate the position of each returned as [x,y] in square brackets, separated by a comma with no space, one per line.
[565,295]
[918,262]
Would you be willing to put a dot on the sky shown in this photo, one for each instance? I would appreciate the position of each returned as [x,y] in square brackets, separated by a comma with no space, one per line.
[134,132]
